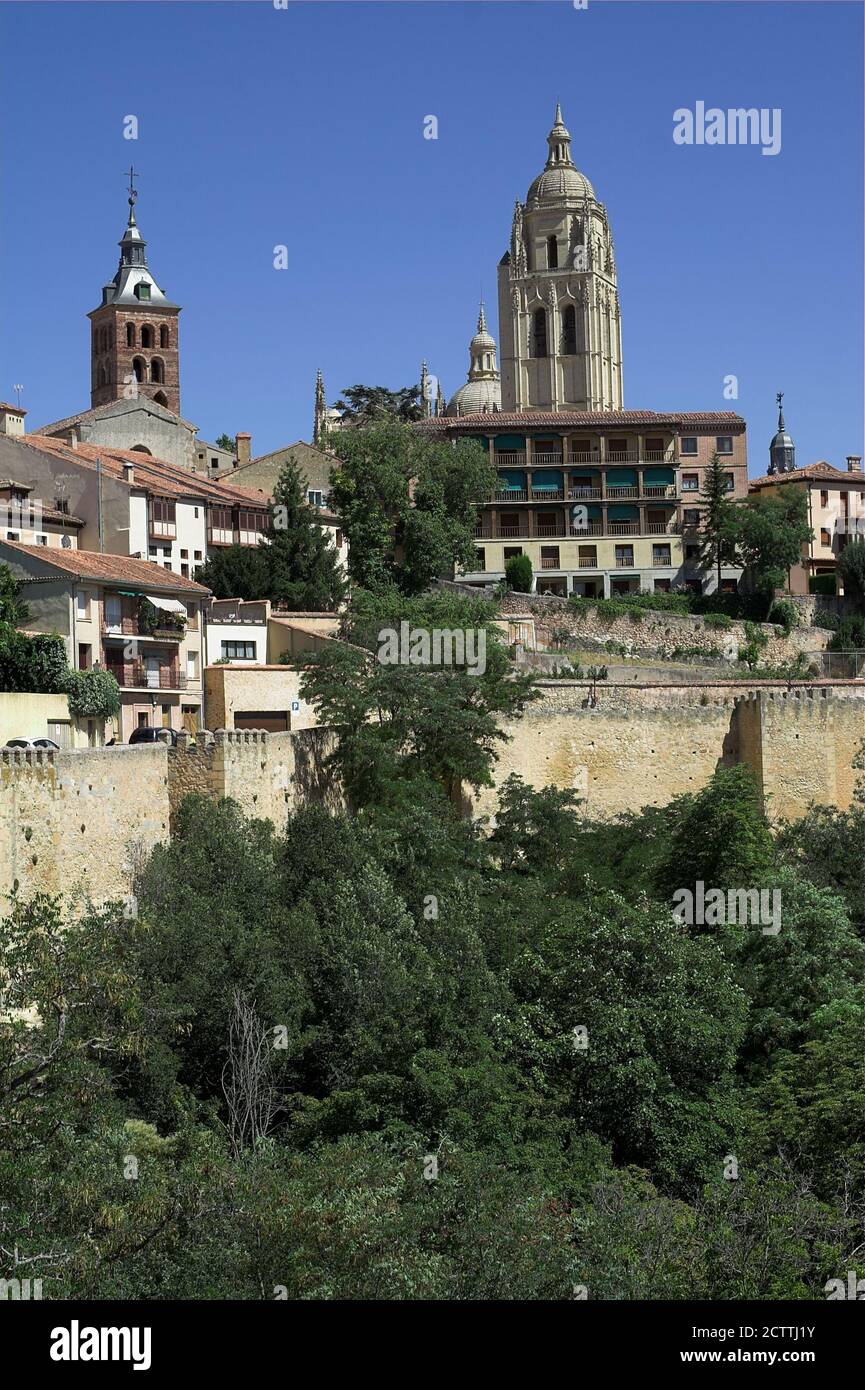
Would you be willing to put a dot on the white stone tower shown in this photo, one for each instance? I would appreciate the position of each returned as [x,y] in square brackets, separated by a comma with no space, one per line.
[559,319]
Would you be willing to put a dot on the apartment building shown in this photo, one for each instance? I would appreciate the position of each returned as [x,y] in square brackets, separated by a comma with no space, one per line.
[130,617]
[602,503]
[836,515]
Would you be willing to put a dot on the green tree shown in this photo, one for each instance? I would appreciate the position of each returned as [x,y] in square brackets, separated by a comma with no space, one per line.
[393,721]
[227,442]
[366,405]
[769,534]
[851,568]
[236,571]
[13,609]
[720,837]
[718,529]
[408,504]
[302,561]
[518,573]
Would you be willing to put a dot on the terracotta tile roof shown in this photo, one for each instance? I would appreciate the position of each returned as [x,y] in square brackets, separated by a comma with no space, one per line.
[107,569]
[572,419]
[812,472]
[152,475]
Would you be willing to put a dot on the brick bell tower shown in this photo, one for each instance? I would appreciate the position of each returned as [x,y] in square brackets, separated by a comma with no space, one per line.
[134,342]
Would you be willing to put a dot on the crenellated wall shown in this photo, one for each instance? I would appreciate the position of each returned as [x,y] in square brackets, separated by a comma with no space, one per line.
[78,822]
[644,745]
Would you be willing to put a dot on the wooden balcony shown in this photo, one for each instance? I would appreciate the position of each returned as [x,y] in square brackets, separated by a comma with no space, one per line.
[136,676]
[508,459]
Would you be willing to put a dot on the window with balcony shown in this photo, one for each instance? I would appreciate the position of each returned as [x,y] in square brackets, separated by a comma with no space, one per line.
[220,528]
[690,482]
[729,482]
[661,555]
[162,512]
[587,557]
[724,444]
[480,558]
[624,556]
[549,557]
[688,445]
[509,524]
[512,552]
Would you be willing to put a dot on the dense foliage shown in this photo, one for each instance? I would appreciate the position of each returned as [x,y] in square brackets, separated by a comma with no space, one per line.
[408,503]
[92,694]
[395,1054]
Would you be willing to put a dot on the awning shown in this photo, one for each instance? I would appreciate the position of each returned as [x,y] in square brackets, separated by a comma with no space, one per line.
[170,605]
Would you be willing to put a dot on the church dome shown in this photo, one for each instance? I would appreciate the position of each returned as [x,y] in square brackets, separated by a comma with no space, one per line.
[554,184]
[475,397]
[483,390]
[560,179]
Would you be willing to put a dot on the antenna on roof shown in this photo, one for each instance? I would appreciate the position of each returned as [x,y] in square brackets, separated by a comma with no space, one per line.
[18,389]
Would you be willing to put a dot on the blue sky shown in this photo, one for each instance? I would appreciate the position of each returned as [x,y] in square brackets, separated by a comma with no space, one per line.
[305,127]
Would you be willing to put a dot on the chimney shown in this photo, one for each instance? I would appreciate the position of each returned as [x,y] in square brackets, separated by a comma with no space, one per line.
[243,448]
[11,419]
[854,463]
[128,473]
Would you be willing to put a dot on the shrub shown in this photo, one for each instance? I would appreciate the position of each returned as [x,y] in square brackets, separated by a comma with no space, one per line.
[750,653]
[32,664]
[821,584]
[92,694]
[850,635]
[518,573]
[719,621]
[784,614]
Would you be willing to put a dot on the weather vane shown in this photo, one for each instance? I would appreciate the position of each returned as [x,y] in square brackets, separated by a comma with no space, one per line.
[133,192]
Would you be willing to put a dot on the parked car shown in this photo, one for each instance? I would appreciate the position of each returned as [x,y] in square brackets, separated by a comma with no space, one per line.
[151,735]
[32,743]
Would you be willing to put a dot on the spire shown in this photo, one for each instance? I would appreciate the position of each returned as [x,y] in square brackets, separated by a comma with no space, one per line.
[320,421]
[482,320]
[782,450]
[559,141]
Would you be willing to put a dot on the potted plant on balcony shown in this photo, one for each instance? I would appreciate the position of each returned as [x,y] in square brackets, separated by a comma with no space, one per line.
[153,620]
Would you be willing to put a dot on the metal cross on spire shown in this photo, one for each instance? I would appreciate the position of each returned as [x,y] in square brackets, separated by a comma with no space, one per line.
[133,192]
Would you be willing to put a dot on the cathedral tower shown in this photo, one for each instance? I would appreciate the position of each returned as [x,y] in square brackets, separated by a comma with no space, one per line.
[134,345]
[482,391]
[559,318]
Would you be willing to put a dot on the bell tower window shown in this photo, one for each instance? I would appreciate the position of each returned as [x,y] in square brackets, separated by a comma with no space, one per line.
[146,336]
[163,336]
[139,369]
[552,253]
[130,335]
[569,331]
[539,333]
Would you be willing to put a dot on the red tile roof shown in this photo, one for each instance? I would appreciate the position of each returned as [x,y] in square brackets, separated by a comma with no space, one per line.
[152,475]
[812,472]
[573,419]
[107,569]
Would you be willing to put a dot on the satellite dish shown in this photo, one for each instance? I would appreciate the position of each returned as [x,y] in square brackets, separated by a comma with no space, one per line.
[66,542]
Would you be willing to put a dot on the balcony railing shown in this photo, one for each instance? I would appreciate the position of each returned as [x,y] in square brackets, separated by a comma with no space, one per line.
[549,459]
[624,562]
[547,494]
[585,492]
[509,531]
[659,489]
[138,677]
[130,628]
[623,491]
[591,456]
[547,531]
[628,456]
[656,456]
[658,561]
[510,459]
[550,562]
[591,528]
[515,494]
[657,528]
[623,528]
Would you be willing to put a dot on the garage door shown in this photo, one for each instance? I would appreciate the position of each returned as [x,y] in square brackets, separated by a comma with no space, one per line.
[274,721]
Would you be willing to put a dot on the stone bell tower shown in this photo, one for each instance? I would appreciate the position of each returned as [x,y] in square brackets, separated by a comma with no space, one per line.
[559,318]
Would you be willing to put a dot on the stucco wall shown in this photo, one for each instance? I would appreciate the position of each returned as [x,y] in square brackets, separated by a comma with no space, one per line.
[233,690]
[27,716]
